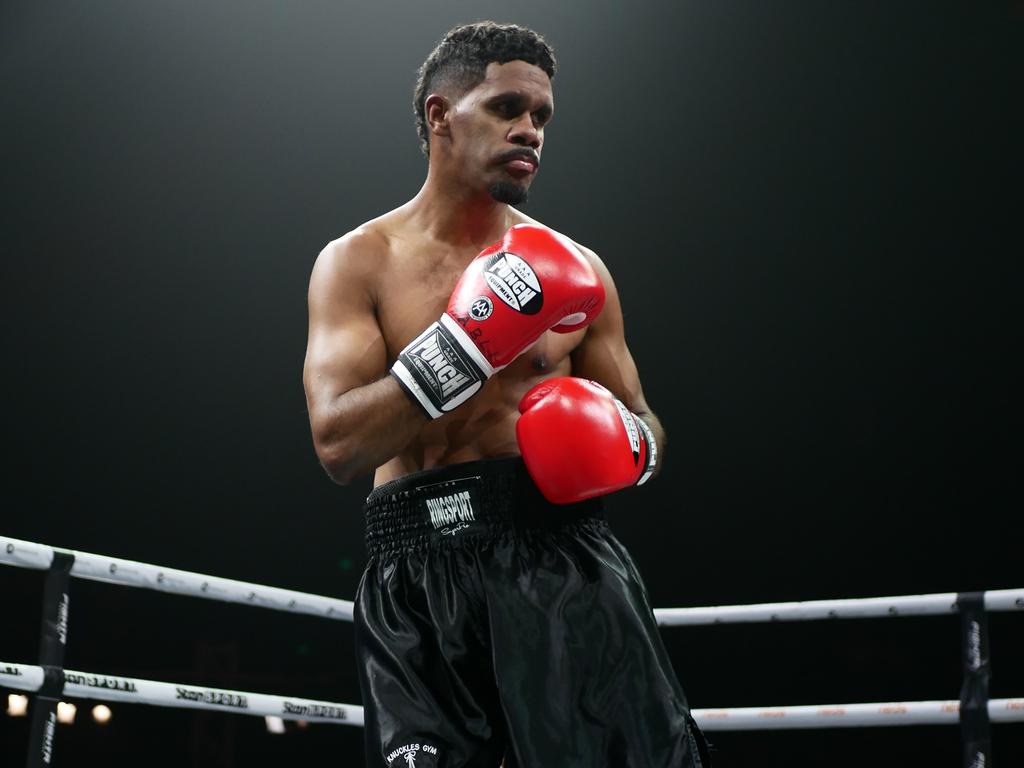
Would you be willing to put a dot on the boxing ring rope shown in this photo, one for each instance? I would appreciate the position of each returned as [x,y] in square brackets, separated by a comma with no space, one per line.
[858,608]
[128,573]
[86,685]
[50,681]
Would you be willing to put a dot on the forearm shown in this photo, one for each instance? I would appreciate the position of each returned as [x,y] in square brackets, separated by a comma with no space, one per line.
[363,428]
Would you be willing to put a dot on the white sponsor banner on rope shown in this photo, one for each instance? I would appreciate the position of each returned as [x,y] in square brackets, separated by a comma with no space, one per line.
[20,677]
[93,686]
[89,685]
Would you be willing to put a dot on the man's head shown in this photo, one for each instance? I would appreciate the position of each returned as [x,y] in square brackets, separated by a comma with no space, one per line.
[485,92]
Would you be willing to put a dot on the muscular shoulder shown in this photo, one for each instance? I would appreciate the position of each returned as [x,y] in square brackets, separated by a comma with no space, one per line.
[348,265]
[591,255]
[355,253]
[609,322]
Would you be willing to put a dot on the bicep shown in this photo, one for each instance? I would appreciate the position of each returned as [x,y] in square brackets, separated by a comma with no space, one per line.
[603,354]
[345,347]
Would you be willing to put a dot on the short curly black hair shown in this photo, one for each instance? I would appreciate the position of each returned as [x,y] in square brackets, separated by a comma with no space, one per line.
[459,62]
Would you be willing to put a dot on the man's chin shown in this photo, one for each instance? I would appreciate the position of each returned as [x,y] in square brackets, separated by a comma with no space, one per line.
[509,192]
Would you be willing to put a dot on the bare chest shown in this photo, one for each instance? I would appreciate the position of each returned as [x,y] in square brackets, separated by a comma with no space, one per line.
[413,290]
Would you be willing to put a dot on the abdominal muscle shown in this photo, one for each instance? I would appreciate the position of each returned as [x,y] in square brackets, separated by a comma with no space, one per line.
[485,426]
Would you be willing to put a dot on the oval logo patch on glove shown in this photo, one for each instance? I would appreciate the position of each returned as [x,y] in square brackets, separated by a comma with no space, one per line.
[514,282]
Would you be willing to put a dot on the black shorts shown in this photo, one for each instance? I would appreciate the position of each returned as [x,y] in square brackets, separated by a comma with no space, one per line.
[490,624]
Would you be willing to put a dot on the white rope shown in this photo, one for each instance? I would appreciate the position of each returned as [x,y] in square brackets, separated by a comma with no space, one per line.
[129,573]
[87,685]
[27,554]
[851,715]
[862,608]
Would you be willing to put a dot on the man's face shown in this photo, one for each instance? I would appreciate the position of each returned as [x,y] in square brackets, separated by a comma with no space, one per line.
[497,129]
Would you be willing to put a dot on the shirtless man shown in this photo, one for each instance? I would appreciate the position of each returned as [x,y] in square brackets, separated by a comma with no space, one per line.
[498,615]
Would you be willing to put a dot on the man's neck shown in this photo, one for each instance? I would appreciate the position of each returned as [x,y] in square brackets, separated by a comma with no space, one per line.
[454,213]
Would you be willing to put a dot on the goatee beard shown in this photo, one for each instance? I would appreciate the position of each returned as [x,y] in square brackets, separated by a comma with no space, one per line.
[507,192]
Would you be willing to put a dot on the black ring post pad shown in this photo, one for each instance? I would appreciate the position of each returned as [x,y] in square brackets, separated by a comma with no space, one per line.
[53,632]
[53,636]
[975,728]
[41,735]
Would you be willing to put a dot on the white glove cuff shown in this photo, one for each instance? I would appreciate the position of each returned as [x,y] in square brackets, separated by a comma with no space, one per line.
[442,368]
[652,450]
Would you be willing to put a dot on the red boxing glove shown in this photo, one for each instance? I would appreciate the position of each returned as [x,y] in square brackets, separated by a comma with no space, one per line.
[579,441]
[534,280]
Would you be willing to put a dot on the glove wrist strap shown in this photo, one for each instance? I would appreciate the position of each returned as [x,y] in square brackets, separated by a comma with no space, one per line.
[652,450]
[442,368]
[638,433]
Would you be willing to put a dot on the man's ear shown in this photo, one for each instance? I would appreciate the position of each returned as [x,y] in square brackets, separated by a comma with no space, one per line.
[436,109]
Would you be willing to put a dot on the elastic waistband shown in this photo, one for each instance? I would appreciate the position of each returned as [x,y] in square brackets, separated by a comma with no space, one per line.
[451,504]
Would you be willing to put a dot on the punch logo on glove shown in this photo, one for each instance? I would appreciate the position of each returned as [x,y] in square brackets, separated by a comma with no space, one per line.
[514,282]
[436,359]
[533,281]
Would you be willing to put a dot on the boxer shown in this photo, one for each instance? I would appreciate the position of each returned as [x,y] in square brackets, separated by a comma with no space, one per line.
[474,361]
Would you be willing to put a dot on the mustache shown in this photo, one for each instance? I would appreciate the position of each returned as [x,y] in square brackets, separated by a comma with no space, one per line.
[523,153]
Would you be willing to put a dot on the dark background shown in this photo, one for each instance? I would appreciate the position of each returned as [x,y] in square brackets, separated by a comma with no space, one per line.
[809,209]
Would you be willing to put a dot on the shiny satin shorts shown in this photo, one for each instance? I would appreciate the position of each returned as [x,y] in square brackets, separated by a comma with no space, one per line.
[492,624]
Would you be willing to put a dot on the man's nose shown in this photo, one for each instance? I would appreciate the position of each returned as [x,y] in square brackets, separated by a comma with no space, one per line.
[524,133]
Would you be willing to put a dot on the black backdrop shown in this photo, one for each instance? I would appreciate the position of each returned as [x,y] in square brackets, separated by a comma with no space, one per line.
[806,207]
